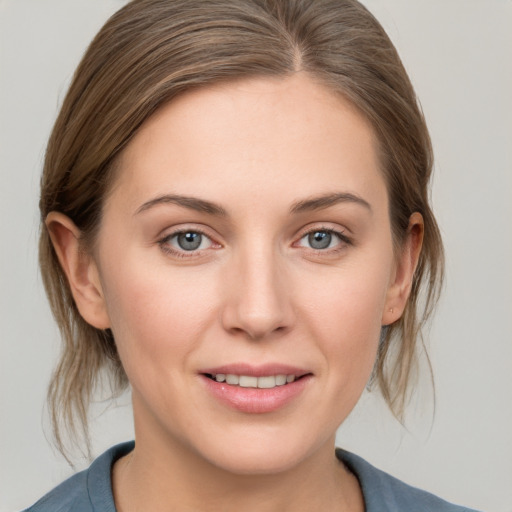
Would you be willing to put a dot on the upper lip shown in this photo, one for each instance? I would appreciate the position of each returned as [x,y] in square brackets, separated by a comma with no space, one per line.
[255,370]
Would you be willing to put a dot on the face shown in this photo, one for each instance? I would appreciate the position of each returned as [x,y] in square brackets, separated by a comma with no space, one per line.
[246,243]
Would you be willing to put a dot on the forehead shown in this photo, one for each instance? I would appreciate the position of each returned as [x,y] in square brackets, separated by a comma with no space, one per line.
[290,135]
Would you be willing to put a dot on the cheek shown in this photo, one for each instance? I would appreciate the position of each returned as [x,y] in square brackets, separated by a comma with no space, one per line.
[344,311]
[156,313]
[350,298]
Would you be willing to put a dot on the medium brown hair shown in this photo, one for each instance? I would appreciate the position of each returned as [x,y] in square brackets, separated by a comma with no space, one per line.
[151,51]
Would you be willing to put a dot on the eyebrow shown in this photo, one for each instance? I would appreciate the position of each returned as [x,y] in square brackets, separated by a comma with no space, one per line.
[203,206]
[327,200]
[192,203]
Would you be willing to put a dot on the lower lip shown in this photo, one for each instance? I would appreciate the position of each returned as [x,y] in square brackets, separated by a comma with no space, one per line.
[256,400]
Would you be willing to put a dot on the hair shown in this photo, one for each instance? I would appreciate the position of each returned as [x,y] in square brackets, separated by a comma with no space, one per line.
[149,52]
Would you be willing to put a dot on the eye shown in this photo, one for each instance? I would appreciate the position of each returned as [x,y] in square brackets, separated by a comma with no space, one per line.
[187,241]
[321,239]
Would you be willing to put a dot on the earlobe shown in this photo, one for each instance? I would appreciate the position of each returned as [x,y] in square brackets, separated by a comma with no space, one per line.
[80,269]
[403,275]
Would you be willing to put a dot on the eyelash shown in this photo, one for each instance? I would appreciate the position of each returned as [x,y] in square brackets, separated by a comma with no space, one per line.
[165,246]
[344,239]
[164,243]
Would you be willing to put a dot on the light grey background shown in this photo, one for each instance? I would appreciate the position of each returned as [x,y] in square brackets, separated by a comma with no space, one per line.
[459,55]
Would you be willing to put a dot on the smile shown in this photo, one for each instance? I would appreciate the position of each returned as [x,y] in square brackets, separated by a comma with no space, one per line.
[267,391]
[250,381]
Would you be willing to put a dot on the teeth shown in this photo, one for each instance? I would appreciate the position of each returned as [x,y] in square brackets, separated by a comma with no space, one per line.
[232,379]
[249,381]
[267,382]
[280,380]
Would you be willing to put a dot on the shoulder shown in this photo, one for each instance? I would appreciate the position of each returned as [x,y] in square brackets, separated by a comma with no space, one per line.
[87,491]
[69,495]
[383,492]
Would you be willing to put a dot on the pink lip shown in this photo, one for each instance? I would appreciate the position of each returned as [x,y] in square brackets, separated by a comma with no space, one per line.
[254,400]
[256,371]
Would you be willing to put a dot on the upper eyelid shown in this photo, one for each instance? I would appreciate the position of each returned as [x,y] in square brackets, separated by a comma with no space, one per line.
[327,229]
[339,230]
[344,239]
[165,238]
[166,245]
[194,228]
[205,231]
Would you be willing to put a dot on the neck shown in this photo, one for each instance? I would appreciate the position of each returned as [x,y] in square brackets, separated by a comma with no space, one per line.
[165,481]
[163,474]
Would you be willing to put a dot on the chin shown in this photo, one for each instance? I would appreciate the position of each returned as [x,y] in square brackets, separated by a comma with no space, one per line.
[258,462]
[263,454]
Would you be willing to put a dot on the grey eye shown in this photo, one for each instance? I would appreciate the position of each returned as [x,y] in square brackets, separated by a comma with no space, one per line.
[189,241]
[320,239]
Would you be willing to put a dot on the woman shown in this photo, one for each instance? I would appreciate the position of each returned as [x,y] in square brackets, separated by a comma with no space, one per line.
[236,222]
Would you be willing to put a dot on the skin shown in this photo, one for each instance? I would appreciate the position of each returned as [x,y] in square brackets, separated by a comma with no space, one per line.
[256,291]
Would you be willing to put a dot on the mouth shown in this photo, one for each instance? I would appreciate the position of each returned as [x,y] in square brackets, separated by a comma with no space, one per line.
[256,389]
[251,381]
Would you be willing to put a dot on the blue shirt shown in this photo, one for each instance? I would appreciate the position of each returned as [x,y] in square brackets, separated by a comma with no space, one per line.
[91,490]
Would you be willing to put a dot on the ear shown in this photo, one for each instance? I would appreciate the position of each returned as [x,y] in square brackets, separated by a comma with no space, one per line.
[80,269]
[403,273]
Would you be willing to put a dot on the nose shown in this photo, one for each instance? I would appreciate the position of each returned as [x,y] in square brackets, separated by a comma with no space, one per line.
[258,296]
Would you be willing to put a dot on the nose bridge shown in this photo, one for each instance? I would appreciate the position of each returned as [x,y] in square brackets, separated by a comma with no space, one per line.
[259,302]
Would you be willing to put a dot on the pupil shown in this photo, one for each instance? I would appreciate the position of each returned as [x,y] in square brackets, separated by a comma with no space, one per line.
[189,241]
[320,239]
